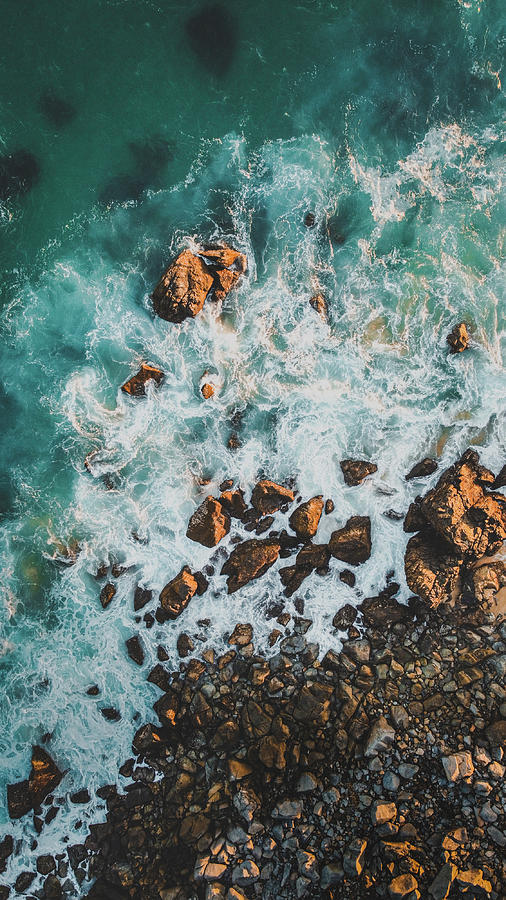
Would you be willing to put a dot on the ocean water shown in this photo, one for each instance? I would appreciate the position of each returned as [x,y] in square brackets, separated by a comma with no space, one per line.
[386,121]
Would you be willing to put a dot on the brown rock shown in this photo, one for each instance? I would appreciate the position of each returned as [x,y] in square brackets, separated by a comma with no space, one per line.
[241,635]
[207,391]
[458,339]
[271,752]
[305,519]
[329,507]
[107,593]
[319,303]
[352,544]
[185,645]
[167,708]
[292,578]
[344,617]
[415,519]
[500,481]
[44,777]
[347,577]
[141,597]
[267,497]
[176,595]
[182,290]
[422,469]
[209,523]
[249,560]
[135,650]
[356,470]
[228,265]
[233,503]
[432,568]
[313,556]
[136,386]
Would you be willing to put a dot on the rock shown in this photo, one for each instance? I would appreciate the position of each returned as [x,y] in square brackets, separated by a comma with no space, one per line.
[383,812]
[107,593]
[402,885]
[58,111]
[313,556]
[245,873]
[500,480]
[432,569]
[319,304]
[288,810]
[233,503]
[344,617]
[241,635]
[381,736]
[441,886]
[292,577]
[306,783]
[19,172]
[329,507]
[111,714]
[136,385]
[458,766]
[267,497]
[391,781]
[353,859]
[249,560]
[496,733]
[44,777]
[347,577]
[185,645]
[356,470]
[23,882]
[422,469]
[207,391]
[458,339]
[487,580]
[352,544]
[6,848]
[272,752]
[190,278]
[135,650]
[209,523]
[148,741]
[81,796]
[176,595]
[141,598]
[305,519]
[46,865]
[473,878]
[332,874]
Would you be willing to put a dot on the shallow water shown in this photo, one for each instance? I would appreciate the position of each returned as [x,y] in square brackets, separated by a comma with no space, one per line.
[388,128]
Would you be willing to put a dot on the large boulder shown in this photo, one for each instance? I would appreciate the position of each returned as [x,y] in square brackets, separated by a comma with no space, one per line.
[305,519]
[352,544]
[355,470]
[209,523]
[192,277]
[176,595]
[249,560]
[432,568]
[44,777]
[267,497]
[458,339]
[136,385]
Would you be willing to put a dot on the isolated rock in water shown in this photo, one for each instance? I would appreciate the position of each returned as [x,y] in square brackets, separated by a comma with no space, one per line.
[136,385]
[458,339]
[213,37]
[461,511]
[209,523]
[57,111]
[207,391]
[305,519]
[432,568]
[292,578]
[352,544]
[190,279]
[19,171]
[249,560]
[135,650]
[19,801]
[107,593]
[176,595]
[355,470]
[267,497]
[319,304]
[44,777]
[422,469]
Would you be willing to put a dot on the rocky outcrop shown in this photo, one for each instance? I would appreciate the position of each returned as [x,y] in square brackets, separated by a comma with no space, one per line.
[352,544]
[249,560]
[44,777]
[267,497]
[136,385]
[432,570]
[356,470]
[176,595]
[192,277]
[209,523]
[305,519]
[458,339]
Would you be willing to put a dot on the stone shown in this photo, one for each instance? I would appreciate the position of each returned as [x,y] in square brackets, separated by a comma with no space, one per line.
[458,766]
[307,783]
[241,635]
[473,878]
[207,390]
[185,645]
[233,503]
[458,339]
[135,650]
[46,864]
[176,595]
[305,519]
[332,874]
[191,278]
[271,753]
[344,617]
[496,733]
[352,544]
[402,886]
[441,885]
[107,593]
[382,812]
[247,872]
[287,810]
[380,737]
[44,777]
[356,470]
[353,859]
[329,507]
[141,597]
[249,560]
[319,304]
[432,569]
[267,497]
[422,469]
[209,523]
[136,385]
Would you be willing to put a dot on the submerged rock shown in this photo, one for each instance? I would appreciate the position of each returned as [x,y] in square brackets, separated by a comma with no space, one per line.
[58,111]
[19,172]
[249,560]
[44,777]
[458,339]
[319,304]
[136,385]
[122,189]
[176,595]
[267,497]
[209,523]
[191,278]
[212,34]
[305,519]
[352,544]
[422,469]
[356,470]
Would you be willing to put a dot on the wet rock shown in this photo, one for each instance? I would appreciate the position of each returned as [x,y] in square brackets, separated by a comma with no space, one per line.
[319,304]
[176,595]
[422,469]
[148,741]
[310,220]
[209,523]
[313,556]
[6,848]
[23,882]
[329,507]
[185,645]
[135,650]
[241,635]
[212,34]
[44,777]
[305,519]
[46,865]
[432,569]
[487,581]
[356,470]
[415,519]
[347,577]
[500,480]
[107,593]
[183,289]
[344,617]
[52,888]
[458,339]
[58,111]
[142,597]
[352,544]
[249,560]
[93,690]
[207,391]
[19,172]
[79,797]
[292,578]
[136,385]
[380,737]
[111,714]
[267,497]
[233,503]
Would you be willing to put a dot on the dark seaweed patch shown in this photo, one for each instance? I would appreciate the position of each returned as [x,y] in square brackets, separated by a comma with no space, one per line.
[151,156]
[121,189]
[56,110]
[19,171]
[212,34]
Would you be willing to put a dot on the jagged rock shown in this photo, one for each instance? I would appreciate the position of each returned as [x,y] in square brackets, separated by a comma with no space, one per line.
[135,650]
[344,617]
[458,766]
[241,635]
[233,503]
[207,391]
[249,560]
[402,886]
[422,469]
[148,741]
[292,578]
[415,519]
[353,859]
[190,278]
[319,304]
[209,523]
[267,497]
[44,777]
[347,577]
[185,645]
[432,569]
[356,470]
[458,339]
[136,385]
[440,887]
[380,737]
[176,595]
[496,733]
[352,544]
[382,812]
[313,556]
[329,506]
[107,593]
[500,480]
[141,598]
[305,519]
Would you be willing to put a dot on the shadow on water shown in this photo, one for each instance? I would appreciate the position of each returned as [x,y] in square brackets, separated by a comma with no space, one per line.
[19,172]
[58,111]
[151,157]
[212,34]
[122,189]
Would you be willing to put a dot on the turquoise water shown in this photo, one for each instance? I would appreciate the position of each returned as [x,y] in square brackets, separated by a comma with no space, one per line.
[386,122]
